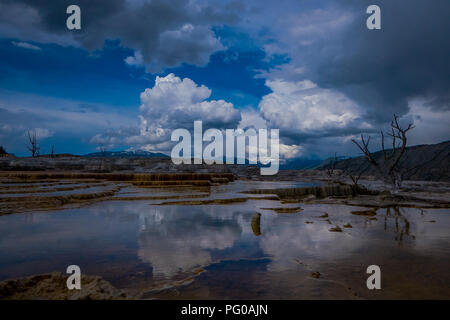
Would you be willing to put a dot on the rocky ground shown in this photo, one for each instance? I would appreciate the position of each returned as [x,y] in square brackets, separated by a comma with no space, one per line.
[53,286]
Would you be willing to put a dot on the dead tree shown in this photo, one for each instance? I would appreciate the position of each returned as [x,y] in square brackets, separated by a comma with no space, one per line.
[332,166]
[355,176]
[32,143]
[331,169]
[102,150]
[352,173]
[52,152]
[388,168]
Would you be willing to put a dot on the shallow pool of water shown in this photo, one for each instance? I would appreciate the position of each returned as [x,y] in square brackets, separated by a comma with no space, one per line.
[231,251]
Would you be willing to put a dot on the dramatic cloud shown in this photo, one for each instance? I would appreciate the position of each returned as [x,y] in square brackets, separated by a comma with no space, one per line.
[381,70]
[337,78]
[431,123]
[164,33]
[301,109]
[173,103]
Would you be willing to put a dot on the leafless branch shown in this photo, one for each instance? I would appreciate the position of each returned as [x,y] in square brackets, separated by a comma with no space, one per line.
[32,143]
[389,167]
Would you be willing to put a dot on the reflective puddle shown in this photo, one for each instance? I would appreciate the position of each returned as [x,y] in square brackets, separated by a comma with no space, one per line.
[236,250]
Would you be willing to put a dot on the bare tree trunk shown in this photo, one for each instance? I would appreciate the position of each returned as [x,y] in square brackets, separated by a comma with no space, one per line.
[389,167]
[102,149]
[33,144]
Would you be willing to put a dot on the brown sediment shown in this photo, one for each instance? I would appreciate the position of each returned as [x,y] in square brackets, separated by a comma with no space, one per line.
[315,275]
[367,213]
[287,201]
[147,180]
[353,196]
[48,190]
[319,192]
[159,183]
[137,198]
[45,182]
[325,215]
[62,199]
[256,224]
[284,210]
[116,176]
[348,225]
[30,203]
[336,229]
[32,182]
[53,286]
[198,271]
[30,185]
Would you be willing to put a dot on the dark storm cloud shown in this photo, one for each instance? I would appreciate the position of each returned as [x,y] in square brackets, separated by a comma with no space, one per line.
[383,69]
[148,27]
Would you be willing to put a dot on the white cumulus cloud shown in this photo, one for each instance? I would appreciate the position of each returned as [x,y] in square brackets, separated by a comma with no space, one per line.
[170,104]
[303,107]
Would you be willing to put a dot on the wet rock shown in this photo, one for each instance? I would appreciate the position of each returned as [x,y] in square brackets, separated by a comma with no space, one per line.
[198,271]
[336,229]
[256,224]
[284,210]
[367,213]
[287,201]
[320,192]
[315,275]
[53,286]
[348,225]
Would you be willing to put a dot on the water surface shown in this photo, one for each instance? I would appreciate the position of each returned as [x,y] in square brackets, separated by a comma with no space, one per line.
[229,251]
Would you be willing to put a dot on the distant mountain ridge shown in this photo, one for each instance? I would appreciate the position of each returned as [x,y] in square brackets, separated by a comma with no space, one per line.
[126,154]
[300,164]
[291,164]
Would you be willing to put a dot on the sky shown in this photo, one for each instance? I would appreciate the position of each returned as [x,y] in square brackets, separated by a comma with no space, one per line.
[137,70]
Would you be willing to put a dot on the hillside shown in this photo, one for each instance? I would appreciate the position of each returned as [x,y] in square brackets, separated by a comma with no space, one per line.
[422,162]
